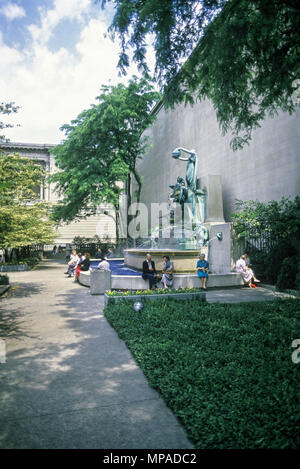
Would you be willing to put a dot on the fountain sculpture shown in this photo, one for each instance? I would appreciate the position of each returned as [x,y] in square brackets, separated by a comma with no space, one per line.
[202,228]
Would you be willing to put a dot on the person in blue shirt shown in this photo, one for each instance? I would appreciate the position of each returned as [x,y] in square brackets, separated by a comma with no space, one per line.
[202,270]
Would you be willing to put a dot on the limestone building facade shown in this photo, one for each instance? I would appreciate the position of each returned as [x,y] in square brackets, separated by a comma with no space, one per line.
[267,169]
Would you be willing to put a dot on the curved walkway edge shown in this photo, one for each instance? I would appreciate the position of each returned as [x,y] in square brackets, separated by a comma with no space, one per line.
[68,381]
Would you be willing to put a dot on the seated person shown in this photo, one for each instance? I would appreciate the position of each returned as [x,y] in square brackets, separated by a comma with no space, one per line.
[103,264]
[72,262]
[109,254]
[247,273]
[202,270]
[149,272]
[98,253]
[80,258]
[167,270]
[83,265]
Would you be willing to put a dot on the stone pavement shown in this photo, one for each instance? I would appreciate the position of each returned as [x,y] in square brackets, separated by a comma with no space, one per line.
[241,295]
[68,381]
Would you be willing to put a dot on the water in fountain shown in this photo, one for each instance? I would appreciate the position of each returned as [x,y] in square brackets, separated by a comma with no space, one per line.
[175,237]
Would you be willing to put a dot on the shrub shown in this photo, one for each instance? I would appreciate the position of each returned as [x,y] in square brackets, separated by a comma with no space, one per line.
[32,261]
[224,370]
[269,232]
[157,291]
[287,274]
[297,281]
[4,280]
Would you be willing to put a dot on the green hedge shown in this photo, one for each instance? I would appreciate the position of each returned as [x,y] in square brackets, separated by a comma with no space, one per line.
[225,370]
[287,276]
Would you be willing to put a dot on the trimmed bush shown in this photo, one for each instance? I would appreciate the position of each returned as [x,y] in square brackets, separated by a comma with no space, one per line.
[4,280]
[287,274]
[224,370]
[297,282]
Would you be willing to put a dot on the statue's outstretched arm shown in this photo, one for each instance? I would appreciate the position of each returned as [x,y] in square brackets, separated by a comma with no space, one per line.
[187,151]
[182,158]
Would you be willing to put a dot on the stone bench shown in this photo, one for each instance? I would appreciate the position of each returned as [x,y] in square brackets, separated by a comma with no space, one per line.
[100,282]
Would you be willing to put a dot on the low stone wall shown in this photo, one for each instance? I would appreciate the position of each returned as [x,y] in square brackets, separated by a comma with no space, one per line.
[126,282]
[4,288]
[14,268]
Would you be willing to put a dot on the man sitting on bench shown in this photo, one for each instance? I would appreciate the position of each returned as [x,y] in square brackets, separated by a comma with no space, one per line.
[149,272]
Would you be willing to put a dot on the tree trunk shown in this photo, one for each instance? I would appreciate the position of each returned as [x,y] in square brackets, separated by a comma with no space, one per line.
[138,196]
[128,203]
[139,183]
[117,214]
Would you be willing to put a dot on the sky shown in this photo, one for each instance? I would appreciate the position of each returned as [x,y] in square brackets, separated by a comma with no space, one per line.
[54,57]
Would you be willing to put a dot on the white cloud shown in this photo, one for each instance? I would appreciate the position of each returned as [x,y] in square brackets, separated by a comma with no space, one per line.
[12,11]
[70,9]
[52,88]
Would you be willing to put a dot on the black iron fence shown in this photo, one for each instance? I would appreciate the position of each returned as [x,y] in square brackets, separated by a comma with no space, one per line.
[259,240]
[260,245]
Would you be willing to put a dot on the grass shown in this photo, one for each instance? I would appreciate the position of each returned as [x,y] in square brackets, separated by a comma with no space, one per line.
[225,370]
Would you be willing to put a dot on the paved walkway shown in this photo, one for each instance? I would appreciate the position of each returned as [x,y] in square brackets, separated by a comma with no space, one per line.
[68,381]
[241,295]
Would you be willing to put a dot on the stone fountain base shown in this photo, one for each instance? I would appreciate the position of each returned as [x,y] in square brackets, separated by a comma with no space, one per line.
[184,261]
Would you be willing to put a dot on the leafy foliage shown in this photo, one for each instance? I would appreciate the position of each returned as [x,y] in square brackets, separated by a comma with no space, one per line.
[287,275]
[224,370]
[83,244]
[270,232]
[242,55]
[281,219]
[4,280]
[297,281]
[101,148]
[23,221]
[157,291]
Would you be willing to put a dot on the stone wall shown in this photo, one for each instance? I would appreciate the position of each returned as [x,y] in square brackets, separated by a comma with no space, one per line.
[267,169]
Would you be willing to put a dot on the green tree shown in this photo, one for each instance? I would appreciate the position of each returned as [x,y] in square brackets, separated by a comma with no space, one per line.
[23,220]
[101,149]
[243,55]
[270,233]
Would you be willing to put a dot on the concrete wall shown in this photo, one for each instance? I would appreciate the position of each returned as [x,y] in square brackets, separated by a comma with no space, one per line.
[267,169]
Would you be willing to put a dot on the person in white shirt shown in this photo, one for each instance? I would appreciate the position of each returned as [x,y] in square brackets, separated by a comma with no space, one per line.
[2,256]
[72,262]
[103,264]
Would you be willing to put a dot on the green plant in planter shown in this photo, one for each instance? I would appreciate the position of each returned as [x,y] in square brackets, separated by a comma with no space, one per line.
[158,291]
[4,280]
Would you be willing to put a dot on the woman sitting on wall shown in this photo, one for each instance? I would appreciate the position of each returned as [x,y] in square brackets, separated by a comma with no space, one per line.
[167,271]
[83,265]
[202,270]
[74,259]
[247,273]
